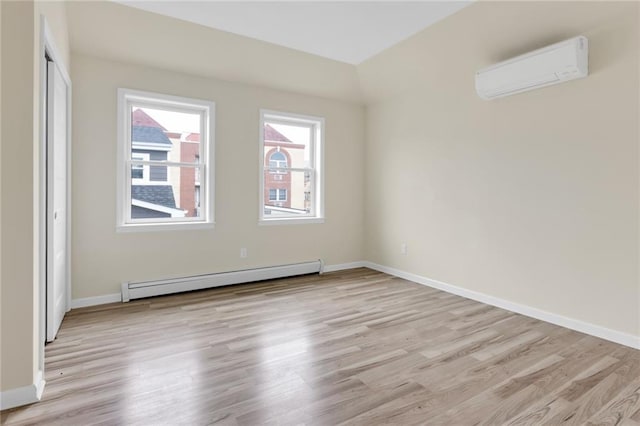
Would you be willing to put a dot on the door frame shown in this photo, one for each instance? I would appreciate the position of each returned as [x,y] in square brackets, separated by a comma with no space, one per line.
[49,48]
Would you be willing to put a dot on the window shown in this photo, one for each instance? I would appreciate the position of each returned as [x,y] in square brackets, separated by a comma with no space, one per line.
[277,161]
[277,195]
[138,169]
[291,184]
[164,175]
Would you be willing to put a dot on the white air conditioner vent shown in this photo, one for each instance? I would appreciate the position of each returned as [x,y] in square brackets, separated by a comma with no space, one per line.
[553,64]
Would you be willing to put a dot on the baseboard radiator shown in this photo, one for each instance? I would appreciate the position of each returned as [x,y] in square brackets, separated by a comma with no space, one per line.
[141,289]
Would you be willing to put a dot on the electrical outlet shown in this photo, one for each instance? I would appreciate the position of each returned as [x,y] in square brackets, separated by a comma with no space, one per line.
[403,248]
[243,252]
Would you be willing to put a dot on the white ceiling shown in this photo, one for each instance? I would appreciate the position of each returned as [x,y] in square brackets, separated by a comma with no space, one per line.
[346,31]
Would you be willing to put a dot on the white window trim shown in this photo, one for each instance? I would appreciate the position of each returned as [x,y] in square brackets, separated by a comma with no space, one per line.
[123,181]
[317,159]
[291,221]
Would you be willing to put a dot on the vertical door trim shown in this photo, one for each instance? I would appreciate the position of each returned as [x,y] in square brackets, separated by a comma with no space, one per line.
[49,48]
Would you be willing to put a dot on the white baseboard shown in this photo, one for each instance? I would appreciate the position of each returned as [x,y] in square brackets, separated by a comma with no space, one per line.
[343,266]
[573,324]
[22,396]
[97,300]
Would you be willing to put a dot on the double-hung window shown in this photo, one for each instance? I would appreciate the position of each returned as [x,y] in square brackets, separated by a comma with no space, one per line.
[291,163]
[165,147]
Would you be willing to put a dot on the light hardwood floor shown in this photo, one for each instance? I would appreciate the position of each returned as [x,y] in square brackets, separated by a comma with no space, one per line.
[352,347]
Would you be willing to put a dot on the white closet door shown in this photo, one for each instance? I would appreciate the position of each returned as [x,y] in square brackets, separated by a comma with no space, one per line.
[56,200]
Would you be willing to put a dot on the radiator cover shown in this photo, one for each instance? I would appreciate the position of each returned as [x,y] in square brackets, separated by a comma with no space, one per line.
[141,289]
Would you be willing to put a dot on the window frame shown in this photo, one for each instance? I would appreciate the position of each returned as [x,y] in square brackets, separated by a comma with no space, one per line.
[127,98]
[316,169]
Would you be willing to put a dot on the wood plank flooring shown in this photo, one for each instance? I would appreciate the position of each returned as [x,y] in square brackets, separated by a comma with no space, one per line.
[354,347]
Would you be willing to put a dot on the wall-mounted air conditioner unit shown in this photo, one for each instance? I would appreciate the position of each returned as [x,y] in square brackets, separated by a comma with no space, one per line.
[553,64]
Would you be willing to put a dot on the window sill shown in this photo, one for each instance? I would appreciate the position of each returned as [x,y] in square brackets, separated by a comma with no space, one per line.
[291,221]
[155,227]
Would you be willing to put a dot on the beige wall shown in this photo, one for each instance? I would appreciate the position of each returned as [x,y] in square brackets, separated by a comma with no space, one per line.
[18,282]
[20,279]
[109,30]
[102,258]
[56,14]
[531,198]
[1,318]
